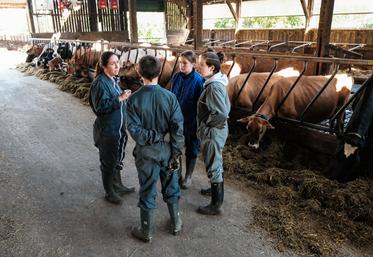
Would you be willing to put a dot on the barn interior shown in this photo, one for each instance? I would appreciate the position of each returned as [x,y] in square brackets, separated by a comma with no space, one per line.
[304,196]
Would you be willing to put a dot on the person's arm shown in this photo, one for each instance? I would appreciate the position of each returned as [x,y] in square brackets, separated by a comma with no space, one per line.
[141,135]
[103,102]
[215,102]
[176,128]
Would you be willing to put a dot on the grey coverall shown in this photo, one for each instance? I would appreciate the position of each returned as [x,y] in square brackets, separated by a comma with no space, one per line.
[212,113]
[153,112]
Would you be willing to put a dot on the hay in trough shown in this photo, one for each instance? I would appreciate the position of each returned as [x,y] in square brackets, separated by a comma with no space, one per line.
[299,206]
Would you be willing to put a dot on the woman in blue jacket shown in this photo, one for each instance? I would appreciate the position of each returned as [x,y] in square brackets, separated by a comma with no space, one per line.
[108,102]
[187,85]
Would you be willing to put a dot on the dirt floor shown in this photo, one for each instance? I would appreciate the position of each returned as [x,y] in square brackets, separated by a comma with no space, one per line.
[277,202]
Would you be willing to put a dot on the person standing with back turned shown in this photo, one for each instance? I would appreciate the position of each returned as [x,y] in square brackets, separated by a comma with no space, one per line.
[109,131]
[187,85]
[155,122]
[212,114]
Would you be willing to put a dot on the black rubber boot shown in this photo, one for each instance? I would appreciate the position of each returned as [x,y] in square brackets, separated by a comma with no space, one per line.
[217,197]
[145,231]
[176,222]
[110,196]
[206,191]
[190,164]
[119,187]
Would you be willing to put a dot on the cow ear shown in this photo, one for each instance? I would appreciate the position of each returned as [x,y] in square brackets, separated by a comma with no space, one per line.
[244,120]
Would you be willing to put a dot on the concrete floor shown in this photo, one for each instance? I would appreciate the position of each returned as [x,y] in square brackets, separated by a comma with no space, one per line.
[51,197]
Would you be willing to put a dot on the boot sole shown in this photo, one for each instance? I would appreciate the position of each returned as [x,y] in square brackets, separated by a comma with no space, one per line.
[211,213]
[112,201]
[138,237]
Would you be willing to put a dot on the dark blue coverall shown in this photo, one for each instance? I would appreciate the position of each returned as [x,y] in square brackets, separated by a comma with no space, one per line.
[109,130]
[153,112]
[188,89]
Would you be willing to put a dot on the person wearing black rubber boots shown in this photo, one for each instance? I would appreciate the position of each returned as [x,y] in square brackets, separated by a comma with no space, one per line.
[187,85]
[212,115]
[109,131]
[155,122]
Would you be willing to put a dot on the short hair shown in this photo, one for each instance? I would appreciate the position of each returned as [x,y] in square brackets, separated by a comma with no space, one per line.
[212,59]
[149,67]
[190,56]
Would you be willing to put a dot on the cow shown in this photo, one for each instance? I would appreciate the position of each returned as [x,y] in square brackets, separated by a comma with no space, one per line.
[55,63]
[332,98]
[65,50]
[33,52]
[243,63]
[253,86]
[356,144]
[83,62]
[43,59]
[130,79]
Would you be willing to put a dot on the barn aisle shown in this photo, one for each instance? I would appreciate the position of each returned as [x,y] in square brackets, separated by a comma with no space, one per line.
[51,198]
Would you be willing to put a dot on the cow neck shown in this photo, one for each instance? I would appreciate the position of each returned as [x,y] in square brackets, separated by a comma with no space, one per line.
[265,112]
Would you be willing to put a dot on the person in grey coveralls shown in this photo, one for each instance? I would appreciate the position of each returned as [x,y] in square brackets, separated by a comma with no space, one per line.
[155,122]
[109,131]
[212,114]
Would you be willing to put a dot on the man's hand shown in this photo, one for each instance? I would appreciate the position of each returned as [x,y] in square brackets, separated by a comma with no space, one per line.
[174,163]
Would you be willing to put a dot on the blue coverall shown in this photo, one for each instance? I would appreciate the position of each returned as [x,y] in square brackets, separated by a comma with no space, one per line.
[109,131]
[152,113]
[188,89]
[212,111]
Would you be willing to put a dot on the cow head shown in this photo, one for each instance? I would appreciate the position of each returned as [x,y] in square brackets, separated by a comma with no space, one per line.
[256,125]
[33,52]
[129,78]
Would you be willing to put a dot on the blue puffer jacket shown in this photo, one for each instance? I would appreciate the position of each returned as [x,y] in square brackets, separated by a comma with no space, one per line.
[188,89]
[110,112]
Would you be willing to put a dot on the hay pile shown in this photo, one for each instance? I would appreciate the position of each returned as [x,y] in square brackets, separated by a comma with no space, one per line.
[79,87]
[300,207]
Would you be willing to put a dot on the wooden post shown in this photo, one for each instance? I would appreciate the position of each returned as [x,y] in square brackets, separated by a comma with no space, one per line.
[165,17]
[310,12]
[30,17]
[189,14]
[238,12]
[92,12]
[197,23]
[323,33]
[133,21]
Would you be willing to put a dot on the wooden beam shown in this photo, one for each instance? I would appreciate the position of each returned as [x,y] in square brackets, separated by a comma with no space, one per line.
[310,13]
[197,23]
[133,21]
[323,33]
[30,17]
[93,25]
[305,10]
[229,3]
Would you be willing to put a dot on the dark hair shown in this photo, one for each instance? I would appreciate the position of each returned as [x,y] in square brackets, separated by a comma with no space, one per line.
[189,55]
[212,59]
[104,60]
[149,67]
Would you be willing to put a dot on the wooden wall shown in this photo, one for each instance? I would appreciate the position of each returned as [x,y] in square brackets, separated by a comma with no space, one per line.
[362,36]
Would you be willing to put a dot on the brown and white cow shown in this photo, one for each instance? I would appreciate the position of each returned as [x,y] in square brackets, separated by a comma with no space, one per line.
[253,86]
[243,64]
[130,79]
[82,61]
[334,96]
